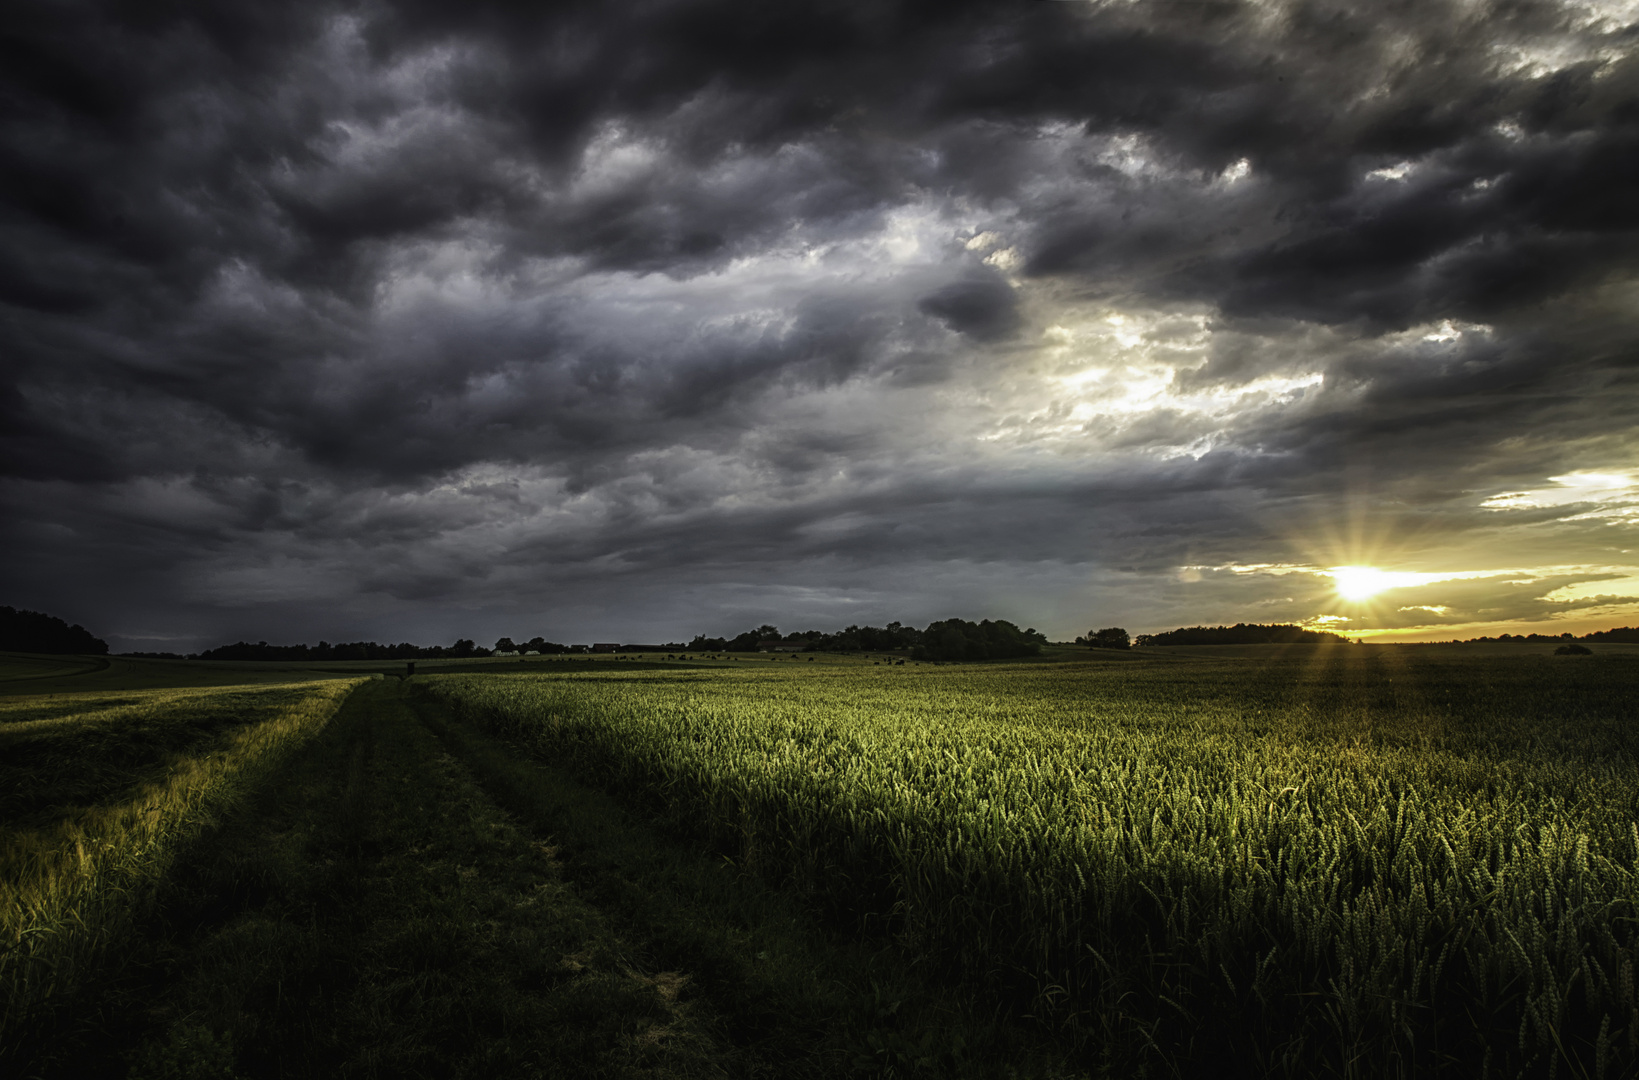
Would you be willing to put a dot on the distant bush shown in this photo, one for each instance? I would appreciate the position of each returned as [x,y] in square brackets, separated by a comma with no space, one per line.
[1573,650]
[32,631]
[1241,634]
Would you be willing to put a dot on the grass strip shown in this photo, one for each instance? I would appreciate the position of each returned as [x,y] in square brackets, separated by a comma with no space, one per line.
[63,754]
[72,888]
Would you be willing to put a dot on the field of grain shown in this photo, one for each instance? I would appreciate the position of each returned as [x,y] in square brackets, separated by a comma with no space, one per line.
[1356,861]
[1260,861]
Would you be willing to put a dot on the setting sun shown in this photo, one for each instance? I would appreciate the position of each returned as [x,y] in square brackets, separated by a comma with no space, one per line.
[1364,582]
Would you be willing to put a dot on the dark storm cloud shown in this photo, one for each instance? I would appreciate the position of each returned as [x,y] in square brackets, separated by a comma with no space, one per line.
[983,308]
[477,303]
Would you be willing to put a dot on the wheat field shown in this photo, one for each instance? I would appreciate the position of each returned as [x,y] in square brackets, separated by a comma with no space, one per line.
[1352,861]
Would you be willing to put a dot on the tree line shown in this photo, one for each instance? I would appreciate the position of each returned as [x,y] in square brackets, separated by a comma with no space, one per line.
[945,639]
[1241,634]
[352,650]
[948,639]
[37,632]
[1628,635]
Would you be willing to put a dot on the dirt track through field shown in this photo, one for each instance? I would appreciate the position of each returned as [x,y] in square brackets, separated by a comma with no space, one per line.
[375,913]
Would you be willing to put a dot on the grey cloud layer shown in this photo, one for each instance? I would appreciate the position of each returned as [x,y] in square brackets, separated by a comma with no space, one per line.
[421,307]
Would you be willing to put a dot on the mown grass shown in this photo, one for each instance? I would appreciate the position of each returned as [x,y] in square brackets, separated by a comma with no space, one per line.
[97,796]
[1350,861]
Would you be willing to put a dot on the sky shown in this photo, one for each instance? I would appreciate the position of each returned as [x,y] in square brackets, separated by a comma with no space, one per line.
[635,321]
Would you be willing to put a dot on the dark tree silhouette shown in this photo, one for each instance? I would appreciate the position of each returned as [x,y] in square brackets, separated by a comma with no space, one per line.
[1113,637]
[958,639]
[1241,634]
[36,632]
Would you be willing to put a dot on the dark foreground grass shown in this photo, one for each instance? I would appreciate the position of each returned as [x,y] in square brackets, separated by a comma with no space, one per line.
[411,898]
[98,797]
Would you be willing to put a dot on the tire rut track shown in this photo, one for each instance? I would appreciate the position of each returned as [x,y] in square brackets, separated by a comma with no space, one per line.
[377,914]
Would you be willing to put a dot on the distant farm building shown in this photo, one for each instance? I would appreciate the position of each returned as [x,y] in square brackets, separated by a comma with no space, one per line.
[605,646]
